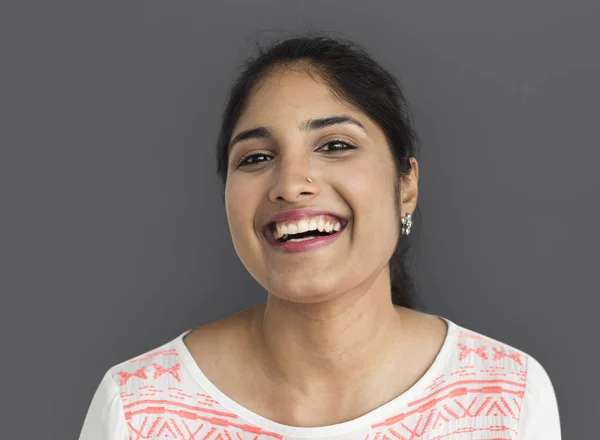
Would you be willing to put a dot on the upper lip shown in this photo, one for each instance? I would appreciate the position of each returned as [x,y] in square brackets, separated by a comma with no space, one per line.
[297,214]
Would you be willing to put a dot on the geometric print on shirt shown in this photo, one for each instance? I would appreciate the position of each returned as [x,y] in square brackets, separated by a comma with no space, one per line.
[478,395]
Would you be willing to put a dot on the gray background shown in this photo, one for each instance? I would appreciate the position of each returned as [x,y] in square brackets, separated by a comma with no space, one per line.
[113,236]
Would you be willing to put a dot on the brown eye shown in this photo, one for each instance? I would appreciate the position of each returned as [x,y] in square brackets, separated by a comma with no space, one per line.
[334,145]
[252,159]
[338,145]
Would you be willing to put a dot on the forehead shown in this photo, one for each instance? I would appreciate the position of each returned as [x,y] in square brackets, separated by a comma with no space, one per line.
[290,95]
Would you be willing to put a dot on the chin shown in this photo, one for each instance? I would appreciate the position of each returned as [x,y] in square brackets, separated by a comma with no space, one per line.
[302,292]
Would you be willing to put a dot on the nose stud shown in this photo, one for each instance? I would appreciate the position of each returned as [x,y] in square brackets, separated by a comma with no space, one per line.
[309,179]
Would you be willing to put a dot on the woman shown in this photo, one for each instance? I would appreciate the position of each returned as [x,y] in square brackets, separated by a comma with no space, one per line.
[320,184]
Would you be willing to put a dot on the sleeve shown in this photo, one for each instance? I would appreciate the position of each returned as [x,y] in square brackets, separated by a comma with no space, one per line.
[539,413]
[105,419]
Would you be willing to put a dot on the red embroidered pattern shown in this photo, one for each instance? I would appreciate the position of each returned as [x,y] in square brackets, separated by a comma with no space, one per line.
[478,395]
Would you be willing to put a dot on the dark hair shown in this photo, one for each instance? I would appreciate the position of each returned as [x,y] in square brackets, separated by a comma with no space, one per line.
[354,76]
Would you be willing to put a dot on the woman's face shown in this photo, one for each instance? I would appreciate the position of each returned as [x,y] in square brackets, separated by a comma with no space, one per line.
[356,183]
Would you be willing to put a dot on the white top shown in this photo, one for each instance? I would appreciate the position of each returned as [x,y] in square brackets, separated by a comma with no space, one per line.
[476,388]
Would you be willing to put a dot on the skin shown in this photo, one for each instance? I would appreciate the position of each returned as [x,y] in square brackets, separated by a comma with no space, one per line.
[328,345]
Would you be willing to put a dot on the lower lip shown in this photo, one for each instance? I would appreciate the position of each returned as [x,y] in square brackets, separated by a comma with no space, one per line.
[306,245]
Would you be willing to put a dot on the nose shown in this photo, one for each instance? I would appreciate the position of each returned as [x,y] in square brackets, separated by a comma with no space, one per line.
[290,182]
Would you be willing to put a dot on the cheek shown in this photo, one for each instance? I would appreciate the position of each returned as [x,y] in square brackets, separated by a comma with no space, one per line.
[370,184]
[239,206]
[370,192]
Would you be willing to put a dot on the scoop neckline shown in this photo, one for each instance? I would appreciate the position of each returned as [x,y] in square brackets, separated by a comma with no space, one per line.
[378,414]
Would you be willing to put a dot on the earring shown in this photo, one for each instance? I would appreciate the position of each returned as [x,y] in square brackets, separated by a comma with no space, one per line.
[406,224]
[309,179]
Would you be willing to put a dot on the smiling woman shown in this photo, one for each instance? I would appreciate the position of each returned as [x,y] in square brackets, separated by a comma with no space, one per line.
[352,120]
[320,182]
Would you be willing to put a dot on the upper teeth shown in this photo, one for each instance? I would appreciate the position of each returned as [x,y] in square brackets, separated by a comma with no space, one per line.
[321,223]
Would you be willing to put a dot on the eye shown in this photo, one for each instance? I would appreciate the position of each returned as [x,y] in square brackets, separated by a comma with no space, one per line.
[337,143]
[252,158]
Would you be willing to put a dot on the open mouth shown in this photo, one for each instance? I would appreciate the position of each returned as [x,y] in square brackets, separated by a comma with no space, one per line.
[301,236]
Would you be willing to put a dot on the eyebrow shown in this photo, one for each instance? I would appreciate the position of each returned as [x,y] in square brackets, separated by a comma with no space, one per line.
[311,124]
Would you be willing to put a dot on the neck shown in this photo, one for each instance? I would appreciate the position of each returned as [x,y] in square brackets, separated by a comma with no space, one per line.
[320,349]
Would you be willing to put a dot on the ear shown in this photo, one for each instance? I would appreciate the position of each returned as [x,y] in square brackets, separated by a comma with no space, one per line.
[409,189]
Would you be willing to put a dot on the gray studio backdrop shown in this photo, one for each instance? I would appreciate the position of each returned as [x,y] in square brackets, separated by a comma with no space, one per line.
[113,236]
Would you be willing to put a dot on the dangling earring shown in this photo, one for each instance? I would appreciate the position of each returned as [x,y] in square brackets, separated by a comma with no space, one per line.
[406,224]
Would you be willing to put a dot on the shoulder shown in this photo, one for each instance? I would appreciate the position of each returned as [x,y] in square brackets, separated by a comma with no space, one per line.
[493,358]
[513,379]
[464,349]
[147,371]
[148,376]
[169,371]
[485,350]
